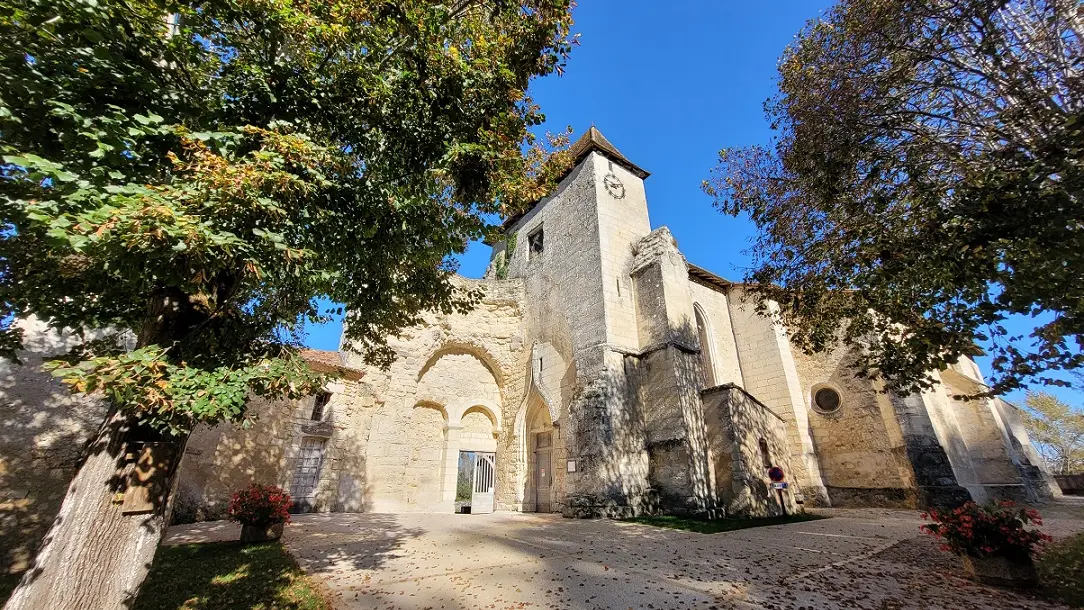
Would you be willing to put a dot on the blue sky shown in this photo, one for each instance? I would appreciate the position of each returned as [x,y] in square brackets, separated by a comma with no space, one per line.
[669,84]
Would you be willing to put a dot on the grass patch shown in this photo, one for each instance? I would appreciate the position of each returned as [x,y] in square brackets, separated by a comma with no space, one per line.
[1061,571]
[228,575]
[704,526]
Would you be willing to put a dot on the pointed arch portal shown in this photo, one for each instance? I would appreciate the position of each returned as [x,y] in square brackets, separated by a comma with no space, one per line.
[542,447]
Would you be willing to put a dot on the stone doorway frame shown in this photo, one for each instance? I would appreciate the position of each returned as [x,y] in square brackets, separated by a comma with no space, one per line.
[454,442]
[536,407]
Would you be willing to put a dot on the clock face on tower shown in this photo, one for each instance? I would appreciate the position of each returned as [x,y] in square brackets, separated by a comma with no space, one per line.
[614,186]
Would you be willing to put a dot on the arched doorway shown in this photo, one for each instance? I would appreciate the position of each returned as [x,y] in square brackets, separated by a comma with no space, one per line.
[476,477]
[542,453]
[461,379]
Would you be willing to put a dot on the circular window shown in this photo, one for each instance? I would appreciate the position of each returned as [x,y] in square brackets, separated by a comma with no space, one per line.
[826,400]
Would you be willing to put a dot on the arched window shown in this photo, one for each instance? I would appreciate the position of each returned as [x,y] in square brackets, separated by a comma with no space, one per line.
[707,346]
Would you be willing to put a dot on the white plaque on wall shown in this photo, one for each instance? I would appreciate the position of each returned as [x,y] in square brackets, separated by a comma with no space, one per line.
[572,465]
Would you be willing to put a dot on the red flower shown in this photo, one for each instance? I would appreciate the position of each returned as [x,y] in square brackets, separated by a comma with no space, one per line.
[998,528]
[260,505]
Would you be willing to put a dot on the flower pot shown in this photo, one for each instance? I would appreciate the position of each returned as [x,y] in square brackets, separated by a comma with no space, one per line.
[261,533]
[1015,572]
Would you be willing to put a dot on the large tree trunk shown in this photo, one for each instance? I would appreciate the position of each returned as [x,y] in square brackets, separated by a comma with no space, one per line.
[100,546]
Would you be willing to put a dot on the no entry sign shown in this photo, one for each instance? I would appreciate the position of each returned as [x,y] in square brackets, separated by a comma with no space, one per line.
[776,474]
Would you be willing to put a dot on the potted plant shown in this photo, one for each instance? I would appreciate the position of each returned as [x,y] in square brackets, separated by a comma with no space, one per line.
[993,541]
[261,510]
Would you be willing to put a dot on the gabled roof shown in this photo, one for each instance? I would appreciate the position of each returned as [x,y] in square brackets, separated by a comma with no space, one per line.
[703,276]
[331,362]
[592,141]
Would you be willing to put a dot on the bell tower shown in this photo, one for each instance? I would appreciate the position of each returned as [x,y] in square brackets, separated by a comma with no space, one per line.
[574,253]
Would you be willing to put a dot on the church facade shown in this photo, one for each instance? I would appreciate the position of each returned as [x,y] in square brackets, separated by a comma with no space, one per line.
[601,374]
[604,375]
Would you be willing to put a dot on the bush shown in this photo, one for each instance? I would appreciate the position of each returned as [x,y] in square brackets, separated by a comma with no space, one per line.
[260,505]
[992,529]
[1061,570]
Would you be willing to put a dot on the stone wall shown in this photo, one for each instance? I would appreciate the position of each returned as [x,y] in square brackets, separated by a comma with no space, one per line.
[422,474]
[456,363]
[41,442]
[974,438]
[724,352]
[925,442]
[736,425]
[996,475]
[1037,478]
[393,438]
[769,374]
[221,460]
[860,448]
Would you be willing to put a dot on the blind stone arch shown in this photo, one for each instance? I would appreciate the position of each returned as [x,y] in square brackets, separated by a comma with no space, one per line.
[707,346]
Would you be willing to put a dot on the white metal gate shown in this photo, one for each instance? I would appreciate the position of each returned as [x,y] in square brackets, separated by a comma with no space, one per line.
[485,479]
[310,457]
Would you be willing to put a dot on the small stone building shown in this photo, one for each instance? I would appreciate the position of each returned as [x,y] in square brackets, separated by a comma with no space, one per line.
[600,375]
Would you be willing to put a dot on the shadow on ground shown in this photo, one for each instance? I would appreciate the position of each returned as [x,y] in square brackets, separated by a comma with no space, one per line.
[349,541]
[228,575]
[870,558]
[857,559]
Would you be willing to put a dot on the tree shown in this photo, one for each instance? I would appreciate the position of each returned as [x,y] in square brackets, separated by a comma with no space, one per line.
[1058,432]
[924,187]
[202,178]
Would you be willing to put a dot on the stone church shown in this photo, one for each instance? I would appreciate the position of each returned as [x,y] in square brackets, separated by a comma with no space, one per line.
[601,374]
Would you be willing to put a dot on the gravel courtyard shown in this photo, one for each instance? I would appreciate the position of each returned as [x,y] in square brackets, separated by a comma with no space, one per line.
[873,559]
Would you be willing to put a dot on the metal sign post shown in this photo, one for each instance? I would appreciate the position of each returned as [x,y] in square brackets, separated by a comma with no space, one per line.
[776,474]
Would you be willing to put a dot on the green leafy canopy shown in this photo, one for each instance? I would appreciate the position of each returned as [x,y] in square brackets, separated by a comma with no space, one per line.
[1057,429]
[200,173]
[924,187]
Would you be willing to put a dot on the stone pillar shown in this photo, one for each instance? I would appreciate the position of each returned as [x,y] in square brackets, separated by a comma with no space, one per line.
[450,466]
[603,435]
[1040,482]
[670,378]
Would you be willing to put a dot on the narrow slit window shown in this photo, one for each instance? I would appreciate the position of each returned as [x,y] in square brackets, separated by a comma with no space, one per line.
[535,242]
[319,406]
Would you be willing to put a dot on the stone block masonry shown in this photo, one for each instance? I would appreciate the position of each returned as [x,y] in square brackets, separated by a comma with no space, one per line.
[746,439]
[44,433]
